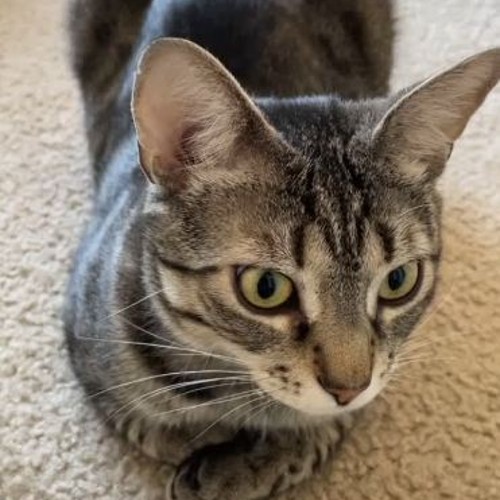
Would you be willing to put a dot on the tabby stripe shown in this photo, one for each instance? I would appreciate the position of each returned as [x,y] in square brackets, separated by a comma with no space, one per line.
[192,390]
[194,317]
[152,355]
[328,234]
[386,235]
[298,245]
[181,268]
[182,313]
[157,363]
[377,327]
[308,197]
[426,217]
[257,336]
[413,314]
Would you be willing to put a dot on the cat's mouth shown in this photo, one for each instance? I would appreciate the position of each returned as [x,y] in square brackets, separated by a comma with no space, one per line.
[308,397]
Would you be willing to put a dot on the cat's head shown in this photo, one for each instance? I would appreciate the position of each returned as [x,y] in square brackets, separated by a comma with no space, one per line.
[300,236]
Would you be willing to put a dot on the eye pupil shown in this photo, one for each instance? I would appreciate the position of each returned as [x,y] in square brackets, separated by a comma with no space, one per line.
[396,278]
[266,286]
[401,284]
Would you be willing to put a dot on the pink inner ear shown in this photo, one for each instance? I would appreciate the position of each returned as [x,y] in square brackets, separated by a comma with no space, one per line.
[188,111]
[169,135]
[164,131]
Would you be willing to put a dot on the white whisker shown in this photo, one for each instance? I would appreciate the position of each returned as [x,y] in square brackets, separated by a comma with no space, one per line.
[160,346]
[176,344]
[252,414]
[410,210]
[221,400]
[217,386]
[213,424]
[148,332]
[135,403]
[137,302]
[165,375]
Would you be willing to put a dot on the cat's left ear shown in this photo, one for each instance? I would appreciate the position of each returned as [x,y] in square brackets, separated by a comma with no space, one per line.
[190,114]
[417,133]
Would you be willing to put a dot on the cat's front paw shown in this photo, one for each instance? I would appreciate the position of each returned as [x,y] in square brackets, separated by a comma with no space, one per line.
[206,478]
[248,471]
[185,483]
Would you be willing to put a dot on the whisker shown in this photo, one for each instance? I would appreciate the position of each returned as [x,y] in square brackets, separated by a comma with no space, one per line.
[417,344]
[213,424]
[216,386]
[430,359]
[176,344]
[129,342]
[160,346]
[414,354]
[137,302]
[164,375]
[148,332]
[430,313]
[396,381]
[221,400]
[263,394]
[410,210]
[252,414]
[163,390]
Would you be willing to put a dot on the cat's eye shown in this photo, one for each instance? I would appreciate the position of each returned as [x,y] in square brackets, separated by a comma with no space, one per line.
[400,284]
[264,289]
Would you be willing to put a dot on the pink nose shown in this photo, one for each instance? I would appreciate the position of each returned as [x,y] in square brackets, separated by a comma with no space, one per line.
[345,396]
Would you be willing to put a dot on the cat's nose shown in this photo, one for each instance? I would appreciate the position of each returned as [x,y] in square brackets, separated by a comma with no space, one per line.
[344,395]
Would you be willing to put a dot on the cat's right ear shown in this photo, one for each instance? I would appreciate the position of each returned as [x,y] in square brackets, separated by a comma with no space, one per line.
[417,133]
[189,112]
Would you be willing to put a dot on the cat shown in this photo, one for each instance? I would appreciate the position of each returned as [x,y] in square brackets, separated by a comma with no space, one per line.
[266,226]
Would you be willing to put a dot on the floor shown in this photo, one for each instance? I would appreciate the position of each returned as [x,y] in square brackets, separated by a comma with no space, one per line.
[433,435]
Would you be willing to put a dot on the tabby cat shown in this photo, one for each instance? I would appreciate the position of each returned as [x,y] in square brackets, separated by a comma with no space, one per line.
[266,226]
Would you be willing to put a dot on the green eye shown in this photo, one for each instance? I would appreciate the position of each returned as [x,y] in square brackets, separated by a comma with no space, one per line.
[264,288]
[400,283]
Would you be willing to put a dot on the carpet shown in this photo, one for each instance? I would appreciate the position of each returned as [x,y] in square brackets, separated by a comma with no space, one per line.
[433,435]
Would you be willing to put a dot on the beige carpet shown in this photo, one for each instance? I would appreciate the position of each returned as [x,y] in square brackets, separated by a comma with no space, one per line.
[434,435]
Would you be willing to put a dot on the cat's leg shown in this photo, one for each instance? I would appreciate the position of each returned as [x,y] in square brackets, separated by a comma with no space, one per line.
[252,467]
[170,445]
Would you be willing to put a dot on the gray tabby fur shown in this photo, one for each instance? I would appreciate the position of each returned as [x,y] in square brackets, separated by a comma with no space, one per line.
[325,181]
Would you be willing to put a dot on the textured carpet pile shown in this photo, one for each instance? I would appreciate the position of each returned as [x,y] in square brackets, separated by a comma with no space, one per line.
[434,434]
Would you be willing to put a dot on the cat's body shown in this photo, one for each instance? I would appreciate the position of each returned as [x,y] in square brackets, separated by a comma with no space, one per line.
[273,48]
[316,201]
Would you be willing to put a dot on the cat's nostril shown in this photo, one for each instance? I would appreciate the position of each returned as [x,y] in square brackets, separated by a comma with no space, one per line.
[343,395]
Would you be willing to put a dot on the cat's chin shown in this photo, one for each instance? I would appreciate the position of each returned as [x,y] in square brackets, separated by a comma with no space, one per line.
[284,417]
[311,410]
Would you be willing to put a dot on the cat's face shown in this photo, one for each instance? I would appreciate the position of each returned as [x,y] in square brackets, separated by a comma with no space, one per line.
[312,274]
[302,240]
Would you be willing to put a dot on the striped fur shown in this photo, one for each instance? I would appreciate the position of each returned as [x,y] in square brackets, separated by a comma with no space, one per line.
[313,182]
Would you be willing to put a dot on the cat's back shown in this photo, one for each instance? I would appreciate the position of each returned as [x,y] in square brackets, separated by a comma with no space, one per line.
[287,47]
[273,47]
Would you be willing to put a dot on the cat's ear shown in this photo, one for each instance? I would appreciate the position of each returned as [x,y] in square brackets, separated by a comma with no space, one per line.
[188,112]
[417,133]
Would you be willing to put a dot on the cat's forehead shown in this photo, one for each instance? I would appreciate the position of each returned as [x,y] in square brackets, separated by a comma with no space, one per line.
[318,188]
[332,142]
[327,122]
